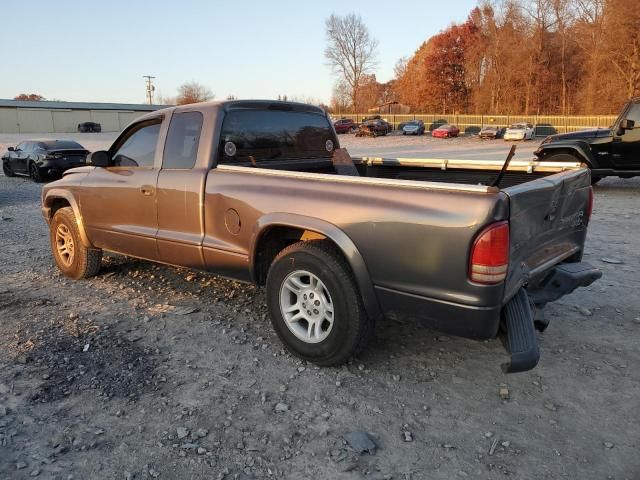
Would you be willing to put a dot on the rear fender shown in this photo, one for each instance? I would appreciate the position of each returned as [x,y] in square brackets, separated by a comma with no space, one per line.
[48,203]
[332,232]
[579,149]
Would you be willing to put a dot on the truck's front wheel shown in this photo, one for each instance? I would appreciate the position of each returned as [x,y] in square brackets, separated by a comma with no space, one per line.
[71,256]
[314,303]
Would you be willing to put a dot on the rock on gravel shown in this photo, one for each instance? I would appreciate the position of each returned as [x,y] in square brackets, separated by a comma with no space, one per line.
[361,442]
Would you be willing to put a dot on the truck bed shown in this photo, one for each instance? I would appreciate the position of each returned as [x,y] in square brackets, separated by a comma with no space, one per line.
[461,172]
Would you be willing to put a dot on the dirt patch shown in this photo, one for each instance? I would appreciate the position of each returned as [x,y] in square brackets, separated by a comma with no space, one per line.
[91,359]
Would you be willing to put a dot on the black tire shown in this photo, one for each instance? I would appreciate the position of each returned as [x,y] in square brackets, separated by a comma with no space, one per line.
[351,328]
[35,173]
[83,262]
[7,170]
[567,157]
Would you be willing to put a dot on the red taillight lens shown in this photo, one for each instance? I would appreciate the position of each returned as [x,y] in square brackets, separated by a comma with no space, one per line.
[590,204]
[490,255]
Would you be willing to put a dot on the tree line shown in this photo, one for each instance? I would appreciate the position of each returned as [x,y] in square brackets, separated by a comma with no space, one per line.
[533,57]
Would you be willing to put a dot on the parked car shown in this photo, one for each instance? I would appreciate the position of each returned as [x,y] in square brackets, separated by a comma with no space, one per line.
[613,151]
[89,127]
[373,128]
[345,125]
[445,131]
[520,131]
[40,159]
[414,127]
[255,193]
[491,132]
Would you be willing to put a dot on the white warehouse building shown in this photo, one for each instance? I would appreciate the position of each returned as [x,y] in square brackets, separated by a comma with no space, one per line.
[17,116]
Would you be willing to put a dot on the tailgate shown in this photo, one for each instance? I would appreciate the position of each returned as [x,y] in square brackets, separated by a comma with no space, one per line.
[548,220]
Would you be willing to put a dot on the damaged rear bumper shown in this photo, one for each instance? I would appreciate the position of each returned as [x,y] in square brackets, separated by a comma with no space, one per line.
[519,323]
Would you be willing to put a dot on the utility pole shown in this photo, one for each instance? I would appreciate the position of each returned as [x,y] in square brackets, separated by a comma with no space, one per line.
[150,88]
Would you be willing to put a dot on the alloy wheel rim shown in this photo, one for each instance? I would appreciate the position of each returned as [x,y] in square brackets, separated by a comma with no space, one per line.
[306,306]
[64,245]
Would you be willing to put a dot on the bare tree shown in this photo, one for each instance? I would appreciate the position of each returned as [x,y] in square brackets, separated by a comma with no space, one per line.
[351,51]
[193,92]
[340,98]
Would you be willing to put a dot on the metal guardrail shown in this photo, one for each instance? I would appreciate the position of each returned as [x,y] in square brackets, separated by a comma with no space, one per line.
[470,124]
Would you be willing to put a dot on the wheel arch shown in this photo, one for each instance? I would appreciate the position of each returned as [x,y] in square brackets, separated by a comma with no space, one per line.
[275,231]
[580,150]
[54,200]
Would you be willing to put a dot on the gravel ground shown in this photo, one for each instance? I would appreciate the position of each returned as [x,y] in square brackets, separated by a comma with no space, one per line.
[150,371]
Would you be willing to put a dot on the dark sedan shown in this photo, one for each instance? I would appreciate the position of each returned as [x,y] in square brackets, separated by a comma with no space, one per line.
[491,132]
[373,128]
[345,125]
[89,127]
[40,159]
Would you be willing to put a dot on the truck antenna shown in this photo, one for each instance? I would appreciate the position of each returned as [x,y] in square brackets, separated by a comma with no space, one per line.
[498,179]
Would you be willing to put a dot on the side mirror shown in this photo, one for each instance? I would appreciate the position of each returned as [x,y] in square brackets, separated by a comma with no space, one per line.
[11,149]
[627,124]
[101,158]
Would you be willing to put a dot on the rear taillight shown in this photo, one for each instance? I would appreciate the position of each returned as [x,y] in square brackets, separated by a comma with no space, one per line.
[590,204]
[490,255]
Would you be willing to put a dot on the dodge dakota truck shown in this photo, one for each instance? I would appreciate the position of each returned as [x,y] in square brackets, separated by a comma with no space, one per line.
[261,192]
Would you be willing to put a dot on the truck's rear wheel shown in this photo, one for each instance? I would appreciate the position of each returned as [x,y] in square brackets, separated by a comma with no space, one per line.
[567,157]
[72,258]
[314,304]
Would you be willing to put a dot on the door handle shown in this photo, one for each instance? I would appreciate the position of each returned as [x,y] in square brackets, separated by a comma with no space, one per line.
[146,190]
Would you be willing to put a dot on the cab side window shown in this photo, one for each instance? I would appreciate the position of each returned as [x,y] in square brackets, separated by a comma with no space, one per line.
[181,147]
[634,114]
[139,147]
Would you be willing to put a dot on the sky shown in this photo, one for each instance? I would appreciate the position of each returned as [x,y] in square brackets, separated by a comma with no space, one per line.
[99,50]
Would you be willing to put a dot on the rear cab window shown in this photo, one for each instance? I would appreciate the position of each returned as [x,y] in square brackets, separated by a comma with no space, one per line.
[183,137]
[254,137]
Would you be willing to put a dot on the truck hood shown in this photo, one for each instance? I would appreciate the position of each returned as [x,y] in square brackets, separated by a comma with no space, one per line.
[581,134]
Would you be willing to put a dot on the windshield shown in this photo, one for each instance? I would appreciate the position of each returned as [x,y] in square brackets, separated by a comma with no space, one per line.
[491,128]
[517,126]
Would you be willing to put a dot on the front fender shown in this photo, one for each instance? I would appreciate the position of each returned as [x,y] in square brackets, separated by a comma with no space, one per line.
[579,149]
[332,232]
[48,201]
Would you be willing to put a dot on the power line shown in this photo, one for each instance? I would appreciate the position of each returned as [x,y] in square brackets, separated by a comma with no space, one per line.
[150,88]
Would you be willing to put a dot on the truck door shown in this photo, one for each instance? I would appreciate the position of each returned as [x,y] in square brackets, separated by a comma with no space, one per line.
[180,187]
[119,202]
[626,147]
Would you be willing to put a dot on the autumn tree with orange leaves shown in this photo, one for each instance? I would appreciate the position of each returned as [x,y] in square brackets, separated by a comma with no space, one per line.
[539,57]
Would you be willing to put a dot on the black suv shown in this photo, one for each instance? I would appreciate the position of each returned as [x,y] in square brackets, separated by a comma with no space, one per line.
[613,151]
[89,127]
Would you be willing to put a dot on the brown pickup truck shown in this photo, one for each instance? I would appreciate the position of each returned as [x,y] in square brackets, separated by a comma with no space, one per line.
[260,192]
